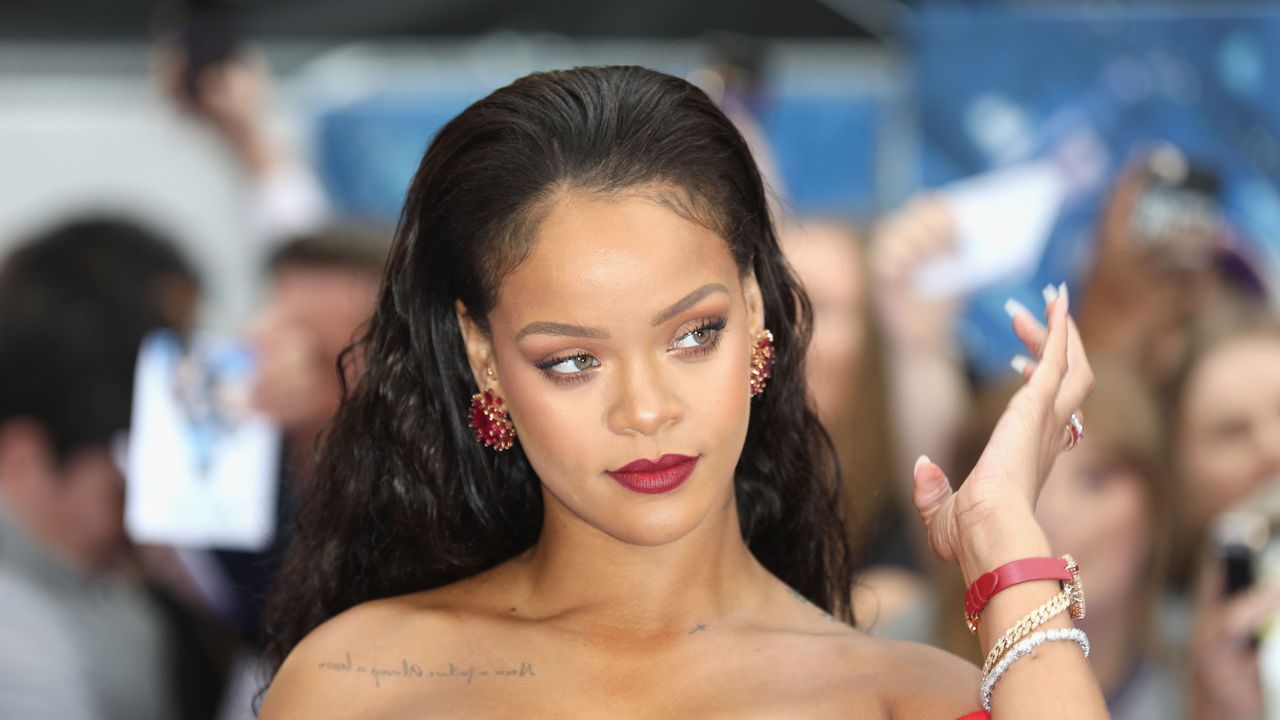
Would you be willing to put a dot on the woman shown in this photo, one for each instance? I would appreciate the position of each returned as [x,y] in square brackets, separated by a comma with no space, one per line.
[845,360]
[1225,410]
[592,248]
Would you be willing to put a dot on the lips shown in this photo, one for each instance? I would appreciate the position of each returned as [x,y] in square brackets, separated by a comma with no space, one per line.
[655,476]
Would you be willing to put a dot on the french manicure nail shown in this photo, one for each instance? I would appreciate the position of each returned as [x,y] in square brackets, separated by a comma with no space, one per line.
[1020,363]
[1013,307]
[1062,290]
[920,461]
[1050,294]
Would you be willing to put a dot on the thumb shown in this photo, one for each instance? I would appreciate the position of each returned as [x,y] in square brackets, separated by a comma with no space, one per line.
[931,488]
[930,492]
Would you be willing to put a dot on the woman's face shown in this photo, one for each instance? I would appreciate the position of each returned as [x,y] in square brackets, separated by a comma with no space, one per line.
[624,335]
[1229,432]
[1099,511]
[829,265]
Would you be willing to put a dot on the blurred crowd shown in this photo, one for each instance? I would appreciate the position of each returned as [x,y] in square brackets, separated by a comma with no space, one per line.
[1161,505]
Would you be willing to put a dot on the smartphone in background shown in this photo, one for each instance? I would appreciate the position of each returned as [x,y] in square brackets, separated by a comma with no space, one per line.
[1176,215]
[1240,537]
[1246,541]
[206,35]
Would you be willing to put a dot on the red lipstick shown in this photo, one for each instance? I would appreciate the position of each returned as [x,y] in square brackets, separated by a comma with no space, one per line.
[655,476]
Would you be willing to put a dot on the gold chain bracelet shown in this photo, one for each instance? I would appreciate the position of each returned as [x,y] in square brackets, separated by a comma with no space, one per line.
[1024,627]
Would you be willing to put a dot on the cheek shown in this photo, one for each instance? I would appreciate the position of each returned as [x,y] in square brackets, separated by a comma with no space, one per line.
[555,426]
[1216,474]
[1107,530]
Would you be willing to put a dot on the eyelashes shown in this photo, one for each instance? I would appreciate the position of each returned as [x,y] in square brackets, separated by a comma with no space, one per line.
[706,336]
[700,340]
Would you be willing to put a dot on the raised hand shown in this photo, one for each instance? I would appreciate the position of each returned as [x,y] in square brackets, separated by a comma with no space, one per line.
[997,499]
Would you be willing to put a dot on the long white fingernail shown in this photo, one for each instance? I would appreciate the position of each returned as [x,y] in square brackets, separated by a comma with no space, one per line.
[1050,294]
[1062,290]
[920,461]
[1020,363]
[1013,307]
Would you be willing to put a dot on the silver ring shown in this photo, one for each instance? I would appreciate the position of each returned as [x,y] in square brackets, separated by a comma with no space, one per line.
[1075,429]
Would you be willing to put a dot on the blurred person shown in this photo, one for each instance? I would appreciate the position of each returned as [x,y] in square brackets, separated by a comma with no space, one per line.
[82,636]
[1225,410]
[845,372]
[1110,504]
[1225,405]
[1162,253]
[215,76]
[917,389]
[320,291]
[928,391]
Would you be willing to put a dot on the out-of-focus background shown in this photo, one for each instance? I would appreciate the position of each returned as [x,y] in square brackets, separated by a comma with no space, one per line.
[236,169]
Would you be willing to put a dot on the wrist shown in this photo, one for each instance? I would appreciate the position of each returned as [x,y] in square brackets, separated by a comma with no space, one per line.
[997,536]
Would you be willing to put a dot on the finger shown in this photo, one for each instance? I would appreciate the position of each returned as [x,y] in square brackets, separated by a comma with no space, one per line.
[1245,614]
[1029,330]
[1023,365]
[1079,382]
[1052,367]
[904,249]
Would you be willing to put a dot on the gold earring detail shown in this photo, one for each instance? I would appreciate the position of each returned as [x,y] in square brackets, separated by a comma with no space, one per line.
[762,357]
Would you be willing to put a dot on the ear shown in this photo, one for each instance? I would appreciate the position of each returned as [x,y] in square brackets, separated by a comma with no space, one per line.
[480,353]
[755,304]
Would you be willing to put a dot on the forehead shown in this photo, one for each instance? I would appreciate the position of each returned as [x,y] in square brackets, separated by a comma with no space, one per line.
[1243,371]
[611,257]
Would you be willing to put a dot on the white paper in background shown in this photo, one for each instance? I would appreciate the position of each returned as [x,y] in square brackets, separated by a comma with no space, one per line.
[1003,219]
[203,465]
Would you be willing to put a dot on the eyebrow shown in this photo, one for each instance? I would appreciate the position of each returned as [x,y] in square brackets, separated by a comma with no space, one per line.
[688,301]
[571,330]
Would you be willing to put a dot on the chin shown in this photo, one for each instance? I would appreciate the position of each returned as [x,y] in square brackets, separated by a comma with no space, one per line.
[649,520]
[657,529]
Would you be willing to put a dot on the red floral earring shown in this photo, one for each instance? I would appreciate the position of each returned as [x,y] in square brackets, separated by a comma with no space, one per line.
[490,421]
[762,357]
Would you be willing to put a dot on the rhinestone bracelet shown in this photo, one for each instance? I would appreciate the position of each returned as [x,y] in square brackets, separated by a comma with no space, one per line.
[1056,605]
[1027,647]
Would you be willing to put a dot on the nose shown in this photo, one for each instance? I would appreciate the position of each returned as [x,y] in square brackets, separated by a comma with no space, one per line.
[643,402]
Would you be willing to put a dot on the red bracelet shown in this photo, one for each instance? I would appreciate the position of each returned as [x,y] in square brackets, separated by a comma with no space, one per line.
[1063,569]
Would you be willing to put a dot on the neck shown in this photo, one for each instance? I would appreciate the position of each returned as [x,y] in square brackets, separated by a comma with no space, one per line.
[577,571]
[32,525]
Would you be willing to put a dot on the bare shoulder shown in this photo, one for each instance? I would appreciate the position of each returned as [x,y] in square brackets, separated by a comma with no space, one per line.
[882,677]
[921,682]
[362,660]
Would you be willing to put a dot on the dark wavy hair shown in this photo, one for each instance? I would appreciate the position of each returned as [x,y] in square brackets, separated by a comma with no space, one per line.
[405,499]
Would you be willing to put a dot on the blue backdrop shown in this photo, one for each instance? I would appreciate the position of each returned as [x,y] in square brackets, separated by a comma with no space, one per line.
[997,86]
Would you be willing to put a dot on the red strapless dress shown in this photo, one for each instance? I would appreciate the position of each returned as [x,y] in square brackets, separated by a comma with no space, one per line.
[979,715]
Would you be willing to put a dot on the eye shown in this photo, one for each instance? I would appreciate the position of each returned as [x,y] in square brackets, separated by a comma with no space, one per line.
[569,365]
[702,335]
